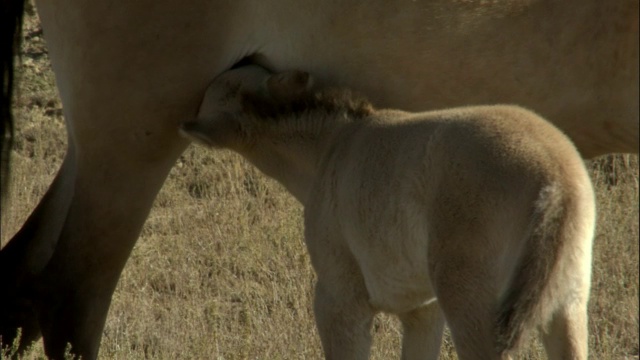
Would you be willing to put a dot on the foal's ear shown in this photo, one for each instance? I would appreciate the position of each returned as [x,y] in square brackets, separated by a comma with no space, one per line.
[220,132]
[289,85]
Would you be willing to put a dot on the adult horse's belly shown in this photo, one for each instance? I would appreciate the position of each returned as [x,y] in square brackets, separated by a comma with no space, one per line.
[574,63]
[149,61]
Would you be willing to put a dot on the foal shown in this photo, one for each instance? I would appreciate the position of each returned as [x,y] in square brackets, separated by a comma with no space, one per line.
[481,216]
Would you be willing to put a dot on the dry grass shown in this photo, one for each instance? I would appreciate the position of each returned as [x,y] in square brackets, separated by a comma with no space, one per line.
[220,270]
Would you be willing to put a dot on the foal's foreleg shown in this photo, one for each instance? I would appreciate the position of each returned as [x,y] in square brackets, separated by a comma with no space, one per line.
[422,335]
[344,323]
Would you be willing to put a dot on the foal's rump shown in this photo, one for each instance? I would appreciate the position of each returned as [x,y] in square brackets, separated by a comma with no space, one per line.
[512,222]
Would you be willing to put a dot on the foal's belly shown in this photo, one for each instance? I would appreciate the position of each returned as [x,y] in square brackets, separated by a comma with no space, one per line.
[392,257]
[396,289]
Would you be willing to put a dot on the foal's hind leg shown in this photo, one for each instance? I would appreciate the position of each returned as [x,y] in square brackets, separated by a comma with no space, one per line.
[472,327]
[566,334]
[566,337]
[422,335]
[466,297]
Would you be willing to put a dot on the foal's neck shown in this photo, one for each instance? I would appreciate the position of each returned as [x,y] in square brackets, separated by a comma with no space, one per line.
[290,150]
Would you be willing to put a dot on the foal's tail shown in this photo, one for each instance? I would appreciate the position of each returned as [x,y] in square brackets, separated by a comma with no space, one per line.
[554,212]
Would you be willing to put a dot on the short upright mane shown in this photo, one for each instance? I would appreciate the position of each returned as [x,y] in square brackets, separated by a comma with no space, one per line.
[330,101]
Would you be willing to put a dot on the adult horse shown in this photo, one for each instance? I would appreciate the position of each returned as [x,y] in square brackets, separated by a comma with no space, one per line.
[129,73]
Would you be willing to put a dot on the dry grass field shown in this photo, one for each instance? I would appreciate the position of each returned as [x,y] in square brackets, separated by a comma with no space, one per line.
[221,272]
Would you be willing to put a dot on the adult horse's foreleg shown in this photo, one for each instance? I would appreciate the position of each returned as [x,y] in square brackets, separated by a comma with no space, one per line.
[66,260]
[128,75]
[112,198]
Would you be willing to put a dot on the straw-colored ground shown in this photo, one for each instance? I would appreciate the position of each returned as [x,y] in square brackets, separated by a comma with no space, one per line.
[221,272]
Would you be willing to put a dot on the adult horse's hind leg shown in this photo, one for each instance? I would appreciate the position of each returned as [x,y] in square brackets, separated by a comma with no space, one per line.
[422,334]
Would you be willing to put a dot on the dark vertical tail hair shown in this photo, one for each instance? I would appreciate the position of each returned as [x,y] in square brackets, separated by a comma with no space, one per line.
[10,39]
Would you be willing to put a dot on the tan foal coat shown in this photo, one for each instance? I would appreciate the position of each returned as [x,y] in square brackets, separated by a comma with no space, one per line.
[482,216]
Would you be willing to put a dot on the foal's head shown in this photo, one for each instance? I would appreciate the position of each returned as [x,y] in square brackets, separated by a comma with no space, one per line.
[238,98]
[241,103]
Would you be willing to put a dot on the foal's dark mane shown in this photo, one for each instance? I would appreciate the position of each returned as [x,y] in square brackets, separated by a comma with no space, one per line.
[328,101]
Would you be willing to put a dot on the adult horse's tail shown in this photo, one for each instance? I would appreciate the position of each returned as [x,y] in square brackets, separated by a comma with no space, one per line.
[10,39]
